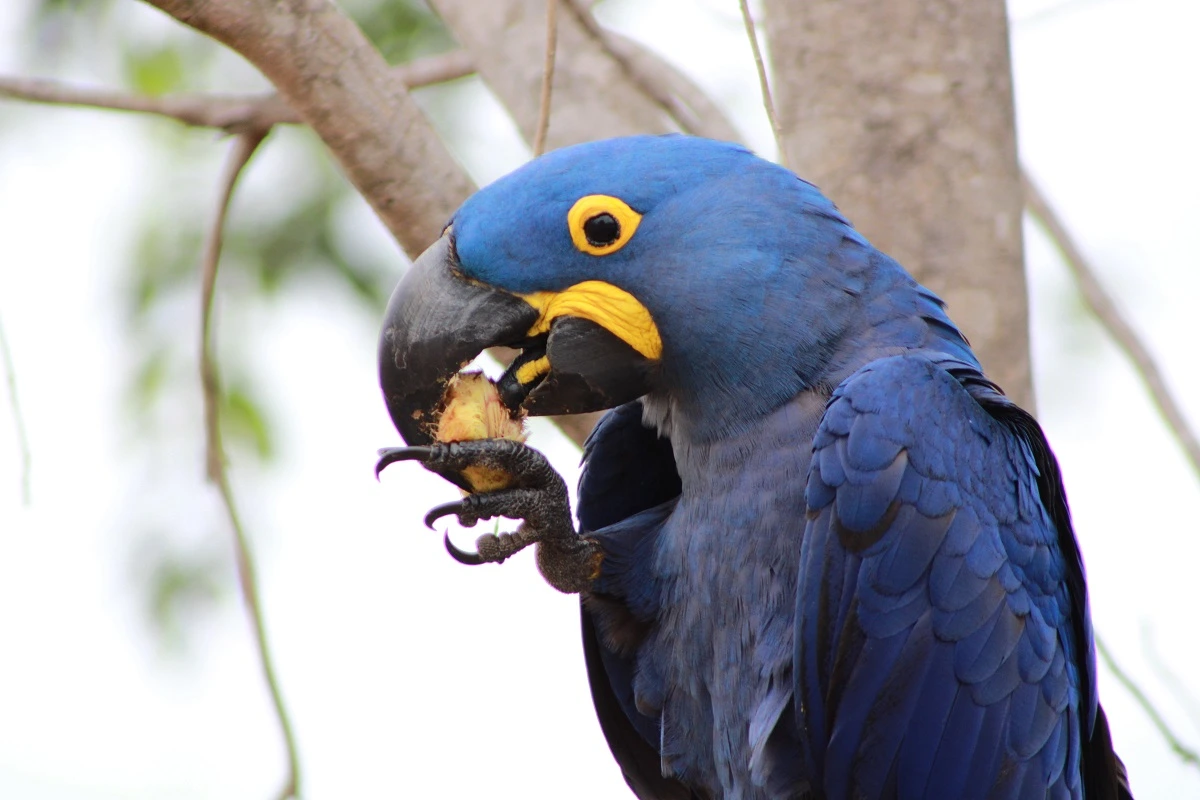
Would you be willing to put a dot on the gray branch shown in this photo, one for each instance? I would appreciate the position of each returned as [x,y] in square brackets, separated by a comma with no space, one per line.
[1105,310]
[337,82]
[233,113]
[1185,753]
[244,149]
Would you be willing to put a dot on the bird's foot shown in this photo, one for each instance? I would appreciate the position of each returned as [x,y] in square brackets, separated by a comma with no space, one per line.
[534,493]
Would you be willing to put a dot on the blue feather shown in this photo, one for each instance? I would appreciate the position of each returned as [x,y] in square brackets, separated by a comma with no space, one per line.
[998,669]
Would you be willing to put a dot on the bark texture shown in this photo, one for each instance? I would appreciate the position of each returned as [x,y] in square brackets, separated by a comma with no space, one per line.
[339,84]
[594,97]
[902,113]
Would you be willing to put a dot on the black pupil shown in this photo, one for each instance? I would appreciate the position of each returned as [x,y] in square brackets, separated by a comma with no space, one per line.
[602,230]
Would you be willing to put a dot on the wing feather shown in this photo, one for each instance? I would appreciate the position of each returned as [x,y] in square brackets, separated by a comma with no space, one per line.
[940,646]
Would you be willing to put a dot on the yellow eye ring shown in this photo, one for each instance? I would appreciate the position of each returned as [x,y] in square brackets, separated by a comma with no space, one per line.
[601,224]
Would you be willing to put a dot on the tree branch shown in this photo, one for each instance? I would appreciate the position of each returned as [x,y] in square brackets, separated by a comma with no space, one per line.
[338,83]
[543,123]
[658,81]
[244,148]
[10,379]
[593,98]
[1185,753]
[764,84]
[232,113]
[1105,310]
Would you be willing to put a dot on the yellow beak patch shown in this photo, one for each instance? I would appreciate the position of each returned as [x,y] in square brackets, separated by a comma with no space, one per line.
[614,309]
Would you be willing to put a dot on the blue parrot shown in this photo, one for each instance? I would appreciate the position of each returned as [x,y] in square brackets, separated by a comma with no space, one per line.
[819,553]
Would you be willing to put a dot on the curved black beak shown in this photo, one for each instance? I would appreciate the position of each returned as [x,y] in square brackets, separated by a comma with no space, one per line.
[438,320]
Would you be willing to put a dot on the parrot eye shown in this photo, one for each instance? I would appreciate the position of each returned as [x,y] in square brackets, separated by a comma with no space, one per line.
[602,230]
[600,224]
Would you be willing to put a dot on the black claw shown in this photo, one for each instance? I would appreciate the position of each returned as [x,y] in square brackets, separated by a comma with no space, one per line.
[390,455]
[444,510]
[462,556]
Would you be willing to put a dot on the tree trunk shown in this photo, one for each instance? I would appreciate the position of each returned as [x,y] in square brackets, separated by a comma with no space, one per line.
[902,113]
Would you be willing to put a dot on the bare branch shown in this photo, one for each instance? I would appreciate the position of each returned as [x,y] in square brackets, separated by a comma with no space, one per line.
[1185,753]
[605,84]
[692,109]
[663,82]
[10,379]
[435,69]
[229,112]
[764,84]
[593,97]
[1114,322]
[327,70]
[232,113]
[243,150]
[543,124]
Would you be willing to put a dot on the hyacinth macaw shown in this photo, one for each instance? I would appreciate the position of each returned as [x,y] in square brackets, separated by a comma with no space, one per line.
[820,554]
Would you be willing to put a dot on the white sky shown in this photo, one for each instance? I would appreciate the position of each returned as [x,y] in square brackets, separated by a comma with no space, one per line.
[408,675]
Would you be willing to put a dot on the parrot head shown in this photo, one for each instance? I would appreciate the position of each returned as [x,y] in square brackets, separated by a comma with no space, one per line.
[673,266]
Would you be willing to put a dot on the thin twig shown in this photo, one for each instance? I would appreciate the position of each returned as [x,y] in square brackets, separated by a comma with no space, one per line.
[768,102]
[234,113]
[10,379]
[1105,310]
[1111,318]
[1185,753]
[543,123]
[430,70]
[226,111]
[243,150]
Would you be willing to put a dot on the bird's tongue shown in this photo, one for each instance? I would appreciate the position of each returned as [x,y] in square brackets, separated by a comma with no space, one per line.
[512,392]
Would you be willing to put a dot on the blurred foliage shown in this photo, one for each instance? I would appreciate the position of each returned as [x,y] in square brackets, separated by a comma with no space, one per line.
[272,244]
[182,586]
[401,30]
[154,71]
[57,27]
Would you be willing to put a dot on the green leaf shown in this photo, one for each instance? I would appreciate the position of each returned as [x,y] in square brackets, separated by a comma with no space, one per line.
[150,379]
[244,422]
[154,72]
